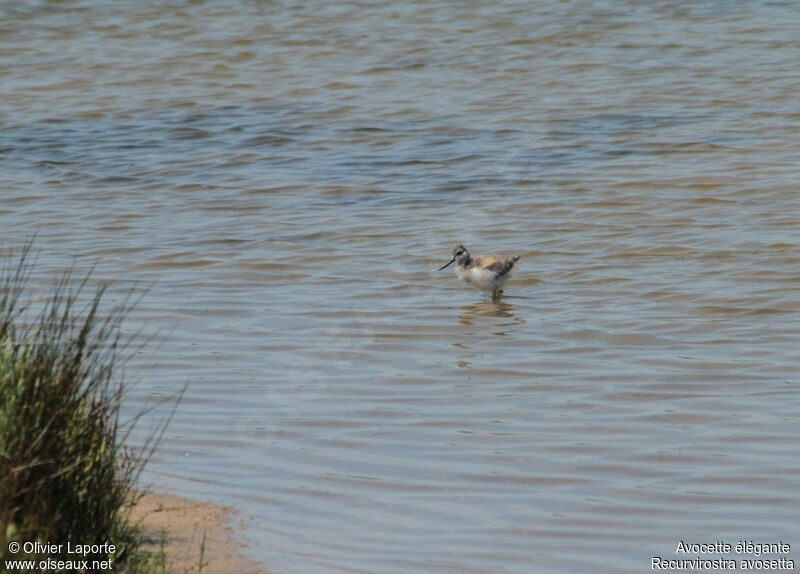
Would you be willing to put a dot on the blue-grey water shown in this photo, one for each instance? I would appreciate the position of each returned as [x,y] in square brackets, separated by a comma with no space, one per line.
[285,178]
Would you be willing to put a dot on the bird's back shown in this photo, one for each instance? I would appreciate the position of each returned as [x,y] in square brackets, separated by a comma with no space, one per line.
[498,265]
[486,260]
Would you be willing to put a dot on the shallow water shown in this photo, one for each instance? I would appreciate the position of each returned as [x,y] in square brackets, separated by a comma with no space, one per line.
[285,179]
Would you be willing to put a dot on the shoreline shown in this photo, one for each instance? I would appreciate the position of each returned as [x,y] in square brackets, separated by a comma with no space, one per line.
[185,523]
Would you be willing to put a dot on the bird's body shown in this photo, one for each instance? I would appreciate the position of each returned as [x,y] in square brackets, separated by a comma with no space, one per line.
[488,273]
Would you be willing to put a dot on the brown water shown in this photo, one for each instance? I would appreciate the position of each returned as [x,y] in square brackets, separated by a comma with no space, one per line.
[287,177]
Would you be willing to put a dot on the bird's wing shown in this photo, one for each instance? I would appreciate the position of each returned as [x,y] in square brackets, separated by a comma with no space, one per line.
[486,260]
[499,265]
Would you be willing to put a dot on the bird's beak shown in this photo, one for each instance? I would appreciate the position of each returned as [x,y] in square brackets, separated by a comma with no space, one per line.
[446,264]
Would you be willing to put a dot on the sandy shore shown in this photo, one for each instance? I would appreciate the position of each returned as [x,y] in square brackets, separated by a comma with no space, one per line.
[185,521]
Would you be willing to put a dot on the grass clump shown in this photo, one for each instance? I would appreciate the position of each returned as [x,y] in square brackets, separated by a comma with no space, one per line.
[65,474]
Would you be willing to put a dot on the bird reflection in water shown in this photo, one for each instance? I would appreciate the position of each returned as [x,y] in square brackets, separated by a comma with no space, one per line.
[490,308]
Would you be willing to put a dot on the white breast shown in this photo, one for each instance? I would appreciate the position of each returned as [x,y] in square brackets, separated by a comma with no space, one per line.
[483,279]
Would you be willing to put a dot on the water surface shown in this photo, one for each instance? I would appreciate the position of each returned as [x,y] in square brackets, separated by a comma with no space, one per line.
[286,178]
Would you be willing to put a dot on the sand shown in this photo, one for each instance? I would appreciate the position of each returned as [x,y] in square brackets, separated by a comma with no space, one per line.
[185,521]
